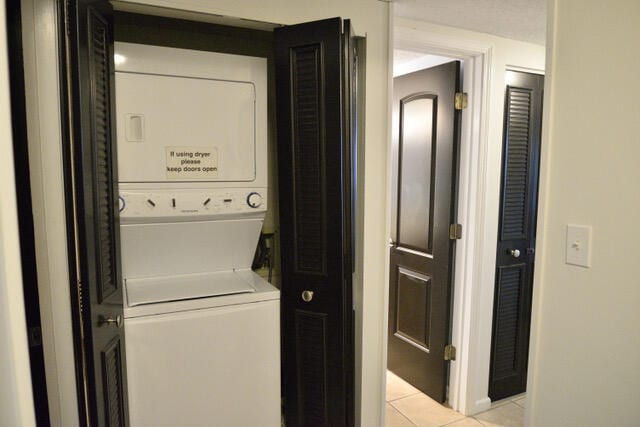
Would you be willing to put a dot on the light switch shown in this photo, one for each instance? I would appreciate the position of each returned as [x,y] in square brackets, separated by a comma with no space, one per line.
[579,245]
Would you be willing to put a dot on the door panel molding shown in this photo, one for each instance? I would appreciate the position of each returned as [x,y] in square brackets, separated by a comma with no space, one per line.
[419,298]
[401,190]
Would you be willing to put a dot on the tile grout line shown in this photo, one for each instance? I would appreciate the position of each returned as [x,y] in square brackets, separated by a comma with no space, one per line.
[407,418]
[464,417]
[411,421]
[402,414]
[400,411]
[498,407]
[402,397]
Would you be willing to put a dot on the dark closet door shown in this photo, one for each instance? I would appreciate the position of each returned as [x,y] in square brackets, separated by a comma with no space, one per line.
[315,189]
[93,213]
[516,235]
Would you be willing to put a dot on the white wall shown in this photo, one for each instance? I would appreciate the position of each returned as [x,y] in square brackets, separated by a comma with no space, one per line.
[16,400]
[473,293]
[584,369]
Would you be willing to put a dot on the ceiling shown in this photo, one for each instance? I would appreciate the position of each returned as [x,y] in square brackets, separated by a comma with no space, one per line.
[406,61]
[523,20]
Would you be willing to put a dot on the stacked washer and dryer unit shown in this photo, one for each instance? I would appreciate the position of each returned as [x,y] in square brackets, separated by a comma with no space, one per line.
[202,329]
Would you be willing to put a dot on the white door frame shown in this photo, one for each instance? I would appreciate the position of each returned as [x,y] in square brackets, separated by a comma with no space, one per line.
[472,307]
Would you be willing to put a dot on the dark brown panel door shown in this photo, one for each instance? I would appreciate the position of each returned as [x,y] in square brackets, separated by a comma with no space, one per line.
[313,85]
[516,235]
[425,140]
[93,213]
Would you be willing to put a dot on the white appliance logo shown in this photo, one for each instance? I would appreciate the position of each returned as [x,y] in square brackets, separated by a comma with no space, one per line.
[185,163]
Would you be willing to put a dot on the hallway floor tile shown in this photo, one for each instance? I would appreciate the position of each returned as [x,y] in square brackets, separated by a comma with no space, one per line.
[408,407]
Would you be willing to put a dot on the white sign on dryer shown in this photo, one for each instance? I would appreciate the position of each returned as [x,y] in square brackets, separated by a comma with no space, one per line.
[192,162]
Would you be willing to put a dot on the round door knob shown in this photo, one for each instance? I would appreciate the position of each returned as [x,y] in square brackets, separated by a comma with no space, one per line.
[307,296]
[515,253]
[254,200]
[110,320]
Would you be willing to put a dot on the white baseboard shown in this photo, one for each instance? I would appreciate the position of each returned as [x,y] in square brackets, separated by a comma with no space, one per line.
[481,406]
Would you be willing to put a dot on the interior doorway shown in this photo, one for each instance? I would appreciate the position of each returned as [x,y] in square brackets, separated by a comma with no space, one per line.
[484,71]
[417,50]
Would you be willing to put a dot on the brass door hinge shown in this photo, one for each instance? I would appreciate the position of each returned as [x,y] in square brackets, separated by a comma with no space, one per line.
[455,231]
[449,352]
[461,100]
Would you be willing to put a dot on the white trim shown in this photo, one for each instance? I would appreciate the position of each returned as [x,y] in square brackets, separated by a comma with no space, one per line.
[477,59]
[548,117]
[42,97]
[420,63]
[525,69]
[16,397]
[387,226]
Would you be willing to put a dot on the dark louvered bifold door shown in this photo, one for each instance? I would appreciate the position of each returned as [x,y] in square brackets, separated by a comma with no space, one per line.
[516,235]
[93,213]
[314,165]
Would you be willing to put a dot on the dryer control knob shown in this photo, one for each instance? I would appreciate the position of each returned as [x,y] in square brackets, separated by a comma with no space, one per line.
[254,200]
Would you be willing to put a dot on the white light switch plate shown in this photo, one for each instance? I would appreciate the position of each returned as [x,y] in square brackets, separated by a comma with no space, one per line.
[579,245]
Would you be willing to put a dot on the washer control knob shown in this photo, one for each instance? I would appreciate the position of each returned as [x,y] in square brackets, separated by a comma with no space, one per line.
[254,200]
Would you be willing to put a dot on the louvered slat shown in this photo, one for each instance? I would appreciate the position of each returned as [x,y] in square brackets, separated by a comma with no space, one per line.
[111,358]
[101,135]
[312,368]
[514,222]
[507,315]
[308,165]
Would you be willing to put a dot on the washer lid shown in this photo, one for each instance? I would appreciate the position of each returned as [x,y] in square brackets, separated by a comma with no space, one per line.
[151,290]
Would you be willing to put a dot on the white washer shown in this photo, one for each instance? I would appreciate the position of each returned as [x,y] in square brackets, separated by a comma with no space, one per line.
[206,362]
[202,330]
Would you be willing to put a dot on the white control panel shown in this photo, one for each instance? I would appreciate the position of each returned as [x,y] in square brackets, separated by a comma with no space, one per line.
[171,204]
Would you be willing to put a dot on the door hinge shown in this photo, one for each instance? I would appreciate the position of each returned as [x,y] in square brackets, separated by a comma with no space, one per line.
[461,100]
[455,231]
[449,352]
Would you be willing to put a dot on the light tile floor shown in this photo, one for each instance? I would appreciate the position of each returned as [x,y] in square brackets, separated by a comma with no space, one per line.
[408,407]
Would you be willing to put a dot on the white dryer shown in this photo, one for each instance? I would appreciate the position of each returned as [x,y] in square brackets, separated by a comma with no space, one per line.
[202,329]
